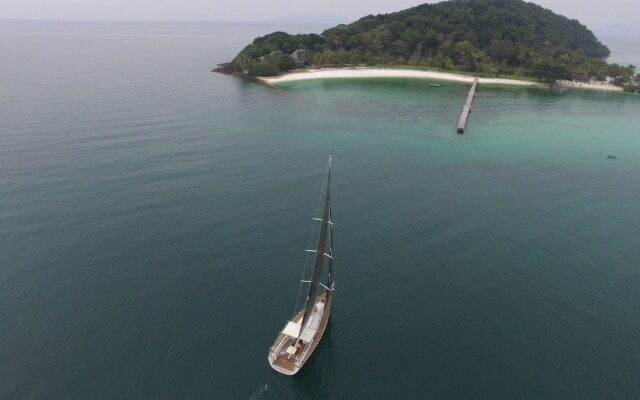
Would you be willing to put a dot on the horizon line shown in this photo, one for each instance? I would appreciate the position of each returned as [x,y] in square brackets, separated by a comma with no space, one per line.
[253,21]
[271,20]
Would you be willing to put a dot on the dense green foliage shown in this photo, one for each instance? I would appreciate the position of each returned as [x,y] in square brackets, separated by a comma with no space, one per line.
[249,58]
[284,42]
[507,30]
[633,85]
[486,37]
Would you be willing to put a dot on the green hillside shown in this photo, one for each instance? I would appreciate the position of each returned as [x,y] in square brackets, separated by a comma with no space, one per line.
[484,37]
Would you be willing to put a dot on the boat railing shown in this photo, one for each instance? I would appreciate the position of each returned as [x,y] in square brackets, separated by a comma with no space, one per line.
[281,341]
[279,349]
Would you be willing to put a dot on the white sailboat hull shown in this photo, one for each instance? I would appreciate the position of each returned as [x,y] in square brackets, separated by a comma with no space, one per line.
[299,338]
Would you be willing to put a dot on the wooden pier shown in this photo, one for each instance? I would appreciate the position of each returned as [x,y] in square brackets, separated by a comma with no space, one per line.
[467,107]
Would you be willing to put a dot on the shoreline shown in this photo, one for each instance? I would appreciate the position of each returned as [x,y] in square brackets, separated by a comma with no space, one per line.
[420,74]
[388,73]
[584,85]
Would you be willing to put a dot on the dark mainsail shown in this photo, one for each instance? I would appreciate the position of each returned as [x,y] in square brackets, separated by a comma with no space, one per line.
[312,297]
[331,276]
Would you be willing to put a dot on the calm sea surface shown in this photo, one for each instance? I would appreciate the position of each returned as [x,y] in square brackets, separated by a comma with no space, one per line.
[153,217]
[624,51]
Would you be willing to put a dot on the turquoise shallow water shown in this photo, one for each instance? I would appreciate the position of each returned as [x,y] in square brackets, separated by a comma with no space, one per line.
[155,217]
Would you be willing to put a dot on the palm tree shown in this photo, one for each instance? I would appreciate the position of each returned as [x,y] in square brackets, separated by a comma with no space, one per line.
[522,56]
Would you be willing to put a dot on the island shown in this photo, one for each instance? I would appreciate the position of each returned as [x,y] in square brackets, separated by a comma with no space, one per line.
[494,39]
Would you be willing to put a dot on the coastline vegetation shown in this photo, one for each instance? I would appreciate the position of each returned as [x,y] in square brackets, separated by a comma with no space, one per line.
[491,38]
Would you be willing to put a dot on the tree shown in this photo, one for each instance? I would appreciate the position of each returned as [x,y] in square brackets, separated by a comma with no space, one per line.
[464,52]
[318,60]
[328,58]
[286,62]
[479,59]
[368,57]
[522,56]
[355,58]
[264,68]
[443,62]
[245,63]
[485,36]
[551,71]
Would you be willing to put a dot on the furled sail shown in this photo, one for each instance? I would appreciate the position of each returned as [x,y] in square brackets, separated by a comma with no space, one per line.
[312,297]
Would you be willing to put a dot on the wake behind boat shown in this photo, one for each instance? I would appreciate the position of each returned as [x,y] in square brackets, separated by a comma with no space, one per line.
[301,335]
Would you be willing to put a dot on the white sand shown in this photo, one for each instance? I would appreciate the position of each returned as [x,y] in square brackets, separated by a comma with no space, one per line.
[595,85]
[412,73]
[388,73]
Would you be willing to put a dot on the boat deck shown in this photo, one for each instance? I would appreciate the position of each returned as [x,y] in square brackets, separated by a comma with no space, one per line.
[287,364]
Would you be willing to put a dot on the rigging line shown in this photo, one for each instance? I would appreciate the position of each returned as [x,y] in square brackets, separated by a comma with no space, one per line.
[313,230]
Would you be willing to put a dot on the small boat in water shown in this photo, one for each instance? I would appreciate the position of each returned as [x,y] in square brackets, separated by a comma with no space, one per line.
[301,335]
[434,85]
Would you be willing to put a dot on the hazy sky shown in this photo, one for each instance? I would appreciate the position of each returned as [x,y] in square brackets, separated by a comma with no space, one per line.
[593,13]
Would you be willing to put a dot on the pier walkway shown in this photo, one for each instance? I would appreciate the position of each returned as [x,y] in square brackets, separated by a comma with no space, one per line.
[467,107]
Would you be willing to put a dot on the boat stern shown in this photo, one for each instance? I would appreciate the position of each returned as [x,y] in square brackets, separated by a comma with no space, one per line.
[283,363]
[283,369]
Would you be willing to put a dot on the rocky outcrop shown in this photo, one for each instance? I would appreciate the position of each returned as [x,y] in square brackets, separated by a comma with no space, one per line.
[226,68]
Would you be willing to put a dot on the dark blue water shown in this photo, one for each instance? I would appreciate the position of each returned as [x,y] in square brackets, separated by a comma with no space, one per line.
[154,217]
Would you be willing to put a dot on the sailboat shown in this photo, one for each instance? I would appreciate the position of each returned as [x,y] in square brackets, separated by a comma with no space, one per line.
[301,335]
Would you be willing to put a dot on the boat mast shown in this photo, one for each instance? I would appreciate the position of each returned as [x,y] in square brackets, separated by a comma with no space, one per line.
[331,278]
[312,296]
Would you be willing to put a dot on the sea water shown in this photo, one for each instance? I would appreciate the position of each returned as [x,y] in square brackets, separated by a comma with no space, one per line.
[624,51]
[155,217]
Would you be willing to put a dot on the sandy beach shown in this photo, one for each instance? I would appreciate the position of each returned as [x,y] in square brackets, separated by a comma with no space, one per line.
[594,85]
[410,73]
[388,73]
